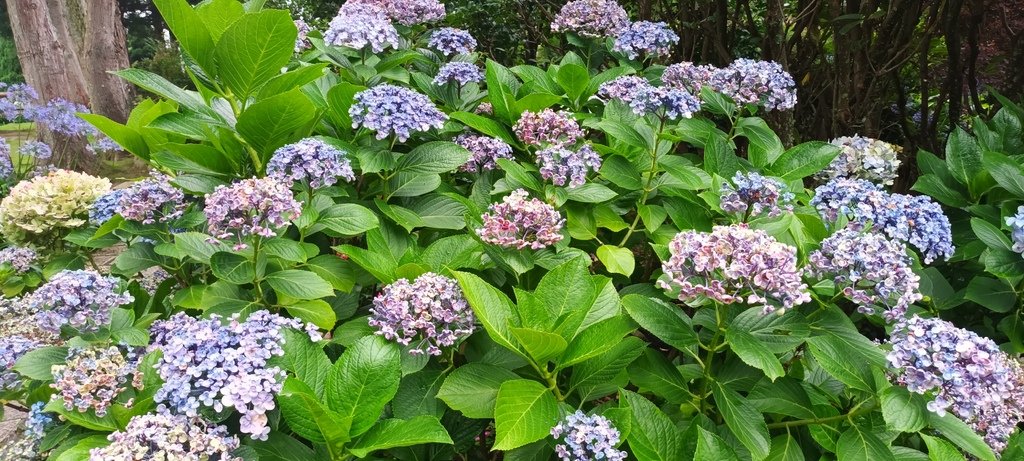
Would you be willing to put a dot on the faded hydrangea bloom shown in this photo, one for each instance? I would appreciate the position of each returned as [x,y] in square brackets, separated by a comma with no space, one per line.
[762,83]
[362,25]
[105,207]
[17,318]
[564,166]
[250,207]
[688,76]
[863,158]
[13,348]
[486,152]
[222,363]
[35,149]
[586,438]
[623,88]
[462,73]
[21,259]
[645,37]
[19,102]
[871,270]
[519,223]
[1016,223]
[311,161]
[485,108]
[46,205]
[168,437]
[81,300]
[591,18]
[735,264]
[393,110]
[152,200]
[93,377]
[429,314]
[548,127]
[750,195]
[451,41]
[964,373]
[302,40]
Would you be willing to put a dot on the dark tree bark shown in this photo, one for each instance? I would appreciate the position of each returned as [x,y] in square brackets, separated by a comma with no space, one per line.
[109,94]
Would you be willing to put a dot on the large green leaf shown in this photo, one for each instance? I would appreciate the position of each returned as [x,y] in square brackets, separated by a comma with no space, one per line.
[190,30]
[711,447]
[653,436]
[616,260]
[485,126]
[765,146]
[161,86]
[941,450]
[857,444]
[592,377]
[785,448]
[37,364]
[963,156]
[492,308]
[991,235]
[1007,172]
[837,360]
[903,410]
[473,388]
[433,157]
[309,418]
[300,284]
[746,423]
[363,381]
[754,353]
[804,160]
[393,433]
[233,268]
[315,311]
[665,321]
[524,412]
[540,345]
[348,219]
[956,431]
[254,49]
[218,15]
[305,359]
[276,121]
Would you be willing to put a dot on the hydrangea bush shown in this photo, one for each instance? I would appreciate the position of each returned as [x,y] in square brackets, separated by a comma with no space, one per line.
[374,242]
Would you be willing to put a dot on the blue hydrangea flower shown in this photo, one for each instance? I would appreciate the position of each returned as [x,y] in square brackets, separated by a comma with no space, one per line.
[581,438]
[763,83]
[152,200]
[431,311]
[79,299]
[105,207]
[1016,223]
[462,73]
[623,88]
[591,18]
[250,207]
[38,421]
[362,25]
[564,166]
[61,116]
[21,259]
[451,41]
[302,40]
[671,103]
[688,76]
[35,149]
[13,348]
[393,110]
[650,38]
[754,194]
[91,378]
[101,144]
[311,160]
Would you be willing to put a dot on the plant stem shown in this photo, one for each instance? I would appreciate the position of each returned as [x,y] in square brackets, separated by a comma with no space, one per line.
[854,412]
[647,187]
[711,355]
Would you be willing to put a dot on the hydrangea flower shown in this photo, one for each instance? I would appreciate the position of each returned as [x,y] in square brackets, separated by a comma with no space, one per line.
[6,166]
[463,73]
[302,40]
[168,437]
[250,207]
[79,299]
[735,264]
[216,364]
[412,12]
[101,144]
[591,18]
[13,348]
[152,279]
[688,76]
[105,207]
[430,313]
[21,259]
[763,83]
[451,41]
[61,116]
[362,25]
[37,422]
[19,102]
[751,195]
[548,127]
[485,108]
[93,377]
[623,88]
[871,270]
[20,449]
[152,200]
[311,160]
[863,158]
[650,38]
[393,110]
[519,223]
[964,373]
[671,103]
[17,318]
[486,152]
[586,438]
[35,149]
[46,205]
[1016,223]
[565,166]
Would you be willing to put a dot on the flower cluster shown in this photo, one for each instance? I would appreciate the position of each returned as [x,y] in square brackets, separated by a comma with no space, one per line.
[863,158]
[17,318]
[79,299]
[644,98]
[311,160]
[584,438]
[360,25]
[591,18]
[6,166]
[751,194]
[210,363]
[48,204]
[623,88]
[168,437]
[735,264]
[105,207]
[409,12]
[19,102]
[13,348]
[520,223]
[763,83]
[965,373]
[485,108]
[93,377]
[61,116]
[564,166]
[650,38]
[871,270]
[451,41]
[916,220]
[35,149]
[101,144]
[1016,223]
[302,40]
[688,76]
[394,110]
[20,259]
[462,73]
[486,152]
[37,422]
[250,207]
[151,280]
[548,127]
[152,200]
[430,311]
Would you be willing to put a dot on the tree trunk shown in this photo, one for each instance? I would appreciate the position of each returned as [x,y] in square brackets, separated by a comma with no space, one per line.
[107,52]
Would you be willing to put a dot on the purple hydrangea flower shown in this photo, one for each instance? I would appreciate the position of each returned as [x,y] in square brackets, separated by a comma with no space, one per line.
[649,38]
[688,76]
[735,264]
[671,103]
[548,127]
[591,18]
[101,144]
[485,108]
[167,437]
[6,166]
[623,88]
[13,348]
[216,364]
[250,207]
[105,207]
[393,110]
[486,152]
[462,73]
[361,25]
[863,158]
[20,101]
[585,438]
[79,299]
[451,41]
[61,116]
[763,83]
[311,160]
[93,377]
[412,12]
[152,200]
[152,279]
[565,166]
[302,40]
[21,259]
[519,223]
[1016,223]
[38,421]
[963,373]
[871,270]
[754,194]
[35,149]
[431,311]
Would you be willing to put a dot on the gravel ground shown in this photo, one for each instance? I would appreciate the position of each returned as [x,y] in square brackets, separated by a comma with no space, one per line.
[12,418]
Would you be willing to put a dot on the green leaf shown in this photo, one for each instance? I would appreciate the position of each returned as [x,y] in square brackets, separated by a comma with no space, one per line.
[785,448]
[126,137]
[137,258]
[994,294]
[315,311]
[276,121]
[87,419]
[1007,172]
[804,160]
[413,185]
[233,268]
[858,445]
[308,418]
[254,49]
[492,308]
[653,436]
[524,412]
[393,433]
[334,270]
[440,212]
[433,157]
[363,381]
[82,448]
[540,345]
[567,291]
[286,249]
[473,388]
[836,359]
[574,79]
[903,410]
[292,79]
[305,359]
[667,322]
[616,259]
[37,364]
[941,450]
[623,133]
[591,377]
[485,126]
[595,339]
[991,235]
[591,193]
[720,156]
[162,87]
[963,156]
[281,447]
[746,423]
[501,87]
[754,353]
[300,284]
[935,187]
[956,431]
[711,447]
[348,219]
[778,333]
[765,145]
[196,246]
[688,177]
[218,15]
[189,29]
